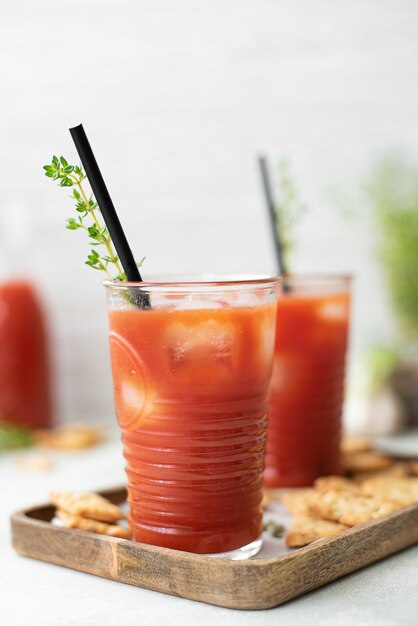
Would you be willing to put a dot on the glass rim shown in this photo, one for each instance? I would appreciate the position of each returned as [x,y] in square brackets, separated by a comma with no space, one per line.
[213,281]
[319,276]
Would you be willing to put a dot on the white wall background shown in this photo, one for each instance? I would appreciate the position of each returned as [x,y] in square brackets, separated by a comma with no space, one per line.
[177,98]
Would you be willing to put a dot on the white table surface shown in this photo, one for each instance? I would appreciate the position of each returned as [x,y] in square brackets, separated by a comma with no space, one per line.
[32,592]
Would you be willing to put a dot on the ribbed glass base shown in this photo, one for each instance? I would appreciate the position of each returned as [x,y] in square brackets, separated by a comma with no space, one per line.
[240,554]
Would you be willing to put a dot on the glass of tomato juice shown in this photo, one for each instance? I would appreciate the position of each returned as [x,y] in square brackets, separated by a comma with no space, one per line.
[25,369]
[307,388]
[191,378]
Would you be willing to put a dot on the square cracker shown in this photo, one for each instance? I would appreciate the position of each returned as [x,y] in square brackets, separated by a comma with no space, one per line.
[355,444]
[297,501]
[347,508]
[413,467]
[337,483]
[305,529]
[399,468]
[365,461]
[69,437]
[401,490]
[90,505]
[93,526]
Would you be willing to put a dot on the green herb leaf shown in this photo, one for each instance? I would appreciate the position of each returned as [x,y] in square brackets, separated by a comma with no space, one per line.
[289,209]
[93,231]
[72,224]
[274,529]
[68,175]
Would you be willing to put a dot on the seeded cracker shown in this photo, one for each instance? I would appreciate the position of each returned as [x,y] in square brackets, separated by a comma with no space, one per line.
[365,461]
[306,529]
[398,469]
[413,467]
[76,521]
[69,437]
[349,509]
[337,483]
[297,502]
[355,444]
[402,491]
[89,505]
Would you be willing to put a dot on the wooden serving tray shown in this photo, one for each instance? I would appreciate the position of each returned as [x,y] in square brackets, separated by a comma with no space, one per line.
[259,583]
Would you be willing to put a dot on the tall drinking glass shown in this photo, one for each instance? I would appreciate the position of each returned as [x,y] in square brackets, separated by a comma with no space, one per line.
[307,387]
[25,368]
[191,377]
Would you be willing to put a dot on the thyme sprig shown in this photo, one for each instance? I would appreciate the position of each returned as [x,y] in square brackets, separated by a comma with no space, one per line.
[88,218]
[290,208]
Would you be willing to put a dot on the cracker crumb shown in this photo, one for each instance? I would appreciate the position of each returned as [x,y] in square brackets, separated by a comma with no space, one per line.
[35,462]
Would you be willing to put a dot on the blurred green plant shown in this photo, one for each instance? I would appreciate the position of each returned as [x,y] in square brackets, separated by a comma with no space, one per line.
[289,208]
[380,363]
[392,188]
[14,437]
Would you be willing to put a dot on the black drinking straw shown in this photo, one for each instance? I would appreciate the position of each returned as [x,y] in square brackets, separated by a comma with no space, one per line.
[274,219]
[107,209]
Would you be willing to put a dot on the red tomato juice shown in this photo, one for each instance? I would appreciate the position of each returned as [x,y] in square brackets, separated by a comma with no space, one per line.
[25,394]
[307,388]
[191,390]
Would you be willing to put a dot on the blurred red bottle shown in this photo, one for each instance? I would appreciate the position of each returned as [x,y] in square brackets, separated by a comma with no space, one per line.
[25,386]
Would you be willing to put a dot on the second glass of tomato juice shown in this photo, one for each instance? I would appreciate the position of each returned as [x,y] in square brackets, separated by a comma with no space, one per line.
[307,386]
[191,378]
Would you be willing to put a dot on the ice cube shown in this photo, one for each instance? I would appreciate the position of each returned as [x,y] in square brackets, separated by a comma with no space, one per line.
[177,353]
[198,342]
[266,341]
[134,402]
[131,395]
[247,299]
[333,310]
[198,302]
[134,393]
